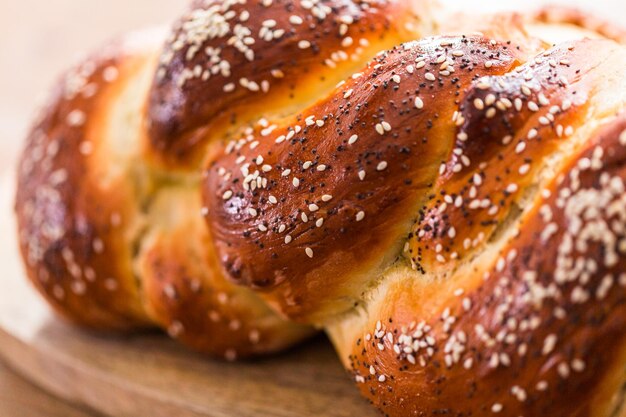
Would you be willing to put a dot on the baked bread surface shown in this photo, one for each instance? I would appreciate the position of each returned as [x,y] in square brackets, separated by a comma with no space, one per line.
[450,210]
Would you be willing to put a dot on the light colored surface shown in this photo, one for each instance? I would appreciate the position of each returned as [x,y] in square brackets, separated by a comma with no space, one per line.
[41,38]
[609,9]
[38,40]
[19,398]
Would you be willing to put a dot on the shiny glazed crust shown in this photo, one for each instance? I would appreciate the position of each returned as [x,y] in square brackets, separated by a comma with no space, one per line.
[271,55]
[109,212]
[451,209]
[517,330]
[401,211]
[97,230]
[345,178]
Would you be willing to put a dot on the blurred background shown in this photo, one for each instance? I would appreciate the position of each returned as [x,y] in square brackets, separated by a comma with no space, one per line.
[40,38]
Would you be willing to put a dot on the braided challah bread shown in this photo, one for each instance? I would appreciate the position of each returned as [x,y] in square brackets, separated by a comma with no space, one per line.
[108,200]
[451,210]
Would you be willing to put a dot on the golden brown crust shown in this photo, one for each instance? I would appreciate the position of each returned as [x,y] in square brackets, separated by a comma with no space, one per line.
[480,153]
[186,294]
[262,57]
[508,126]
[68,232]
[99,229]
[526,332]
[339,184]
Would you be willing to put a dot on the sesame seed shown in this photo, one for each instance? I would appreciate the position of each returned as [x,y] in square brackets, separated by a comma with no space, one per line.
[295,20]
[419,103]
[381,166]
[360,216]
[543,100]
[430,77]
[288,239]
[578,365]
[353,139]
[548,344]
[254,336]
[276,73]
[309,252]
[227,195]
[523,170]
[304,44]
[76,118]
[361,175]
[98,245]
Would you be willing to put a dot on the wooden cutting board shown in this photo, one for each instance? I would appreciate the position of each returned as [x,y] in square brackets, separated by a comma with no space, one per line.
[150,375]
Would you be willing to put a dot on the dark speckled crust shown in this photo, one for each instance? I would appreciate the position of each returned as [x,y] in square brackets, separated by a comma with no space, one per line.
[532,335]
[400,166]
[285,54]
[68,234]
[508,126]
